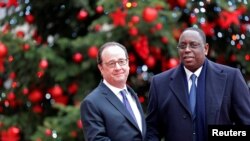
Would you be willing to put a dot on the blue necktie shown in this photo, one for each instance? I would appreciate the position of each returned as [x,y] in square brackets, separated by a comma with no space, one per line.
[126,103]
[192,95]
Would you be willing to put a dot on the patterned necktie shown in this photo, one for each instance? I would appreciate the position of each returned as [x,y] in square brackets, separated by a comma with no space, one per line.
[126,103]
[192,95]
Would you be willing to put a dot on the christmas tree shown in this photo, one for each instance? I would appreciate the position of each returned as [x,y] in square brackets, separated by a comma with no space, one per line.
[48,53]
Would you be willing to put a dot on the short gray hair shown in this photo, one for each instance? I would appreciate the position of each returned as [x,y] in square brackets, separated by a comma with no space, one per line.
[108,44]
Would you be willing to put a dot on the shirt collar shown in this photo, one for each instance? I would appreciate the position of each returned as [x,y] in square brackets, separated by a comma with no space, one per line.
[115,90]
[189,73]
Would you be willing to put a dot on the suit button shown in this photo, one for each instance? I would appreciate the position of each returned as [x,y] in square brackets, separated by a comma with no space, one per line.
[184,116]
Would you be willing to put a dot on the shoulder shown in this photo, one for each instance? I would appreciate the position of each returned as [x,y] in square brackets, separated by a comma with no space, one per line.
[222,68]
[94,94]
[165,75]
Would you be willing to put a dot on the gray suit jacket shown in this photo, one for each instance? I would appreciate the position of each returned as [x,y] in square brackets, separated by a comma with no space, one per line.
[227,100]
[105,118]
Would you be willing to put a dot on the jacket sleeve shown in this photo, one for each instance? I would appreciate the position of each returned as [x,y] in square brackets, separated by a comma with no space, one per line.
[93,124]
[153,133]
[240,100]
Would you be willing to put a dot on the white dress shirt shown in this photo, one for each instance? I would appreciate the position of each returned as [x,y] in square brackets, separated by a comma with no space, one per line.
[189,73]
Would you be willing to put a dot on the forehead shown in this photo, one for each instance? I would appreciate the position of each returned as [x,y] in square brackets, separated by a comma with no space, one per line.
[190,35]
[113,52]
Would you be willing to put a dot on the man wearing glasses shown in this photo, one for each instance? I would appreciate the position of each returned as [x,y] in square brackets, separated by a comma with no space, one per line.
[184,100]
[112,111]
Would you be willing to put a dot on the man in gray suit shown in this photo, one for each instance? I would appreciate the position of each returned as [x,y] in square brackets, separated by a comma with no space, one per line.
[112,111]
[221,96]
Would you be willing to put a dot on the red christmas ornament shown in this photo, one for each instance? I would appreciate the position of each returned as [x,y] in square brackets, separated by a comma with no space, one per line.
[176,33]
[131,57]
[97,27]
[135,19]
[48,132]
[233,58]
[158,26]
[79,124]
[29,19]
[3,50]
[238,46]
[243,28]
[25,91]
[118,17]
[133,68]
[193,19]
[77,57]
[11,96]
[40,74]
[99,9]
[182,3]
[63,100]
[149,14]
[134,4]
[124,2]
[12,3]
[12,75]
[133,31]
[73,134]
[208,28]
[150,62]
[20,34]
[56,91]
[164,64]
[73,88]
[14,84]
[38,39]
[156,52]
[43,64]
[173,62]
[82,15]
[247,57]
[12,134]
[37,109]
[164,40]
[2,4]
[141,47]
[141,99]
[26,47]
[172,3]
[92,52]
[35,96]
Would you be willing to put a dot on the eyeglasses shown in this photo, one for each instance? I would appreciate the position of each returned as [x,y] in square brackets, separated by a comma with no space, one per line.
[121,62]
[191,45]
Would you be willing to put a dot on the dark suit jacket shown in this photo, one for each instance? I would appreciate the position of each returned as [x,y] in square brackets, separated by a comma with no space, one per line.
[227,100]
[105,118]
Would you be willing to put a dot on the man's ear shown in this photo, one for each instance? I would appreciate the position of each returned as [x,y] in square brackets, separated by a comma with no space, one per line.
[206,48]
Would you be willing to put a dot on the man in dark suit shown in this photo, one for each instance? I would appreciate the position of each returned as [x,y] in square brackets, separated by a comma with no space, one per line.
[221,95]
[104,112]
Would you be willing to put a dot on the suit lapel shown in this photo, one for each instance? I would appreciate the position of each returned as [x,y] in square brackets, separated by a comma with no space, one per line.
[140,110]
[112,98]
[215,87]
[178,85]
